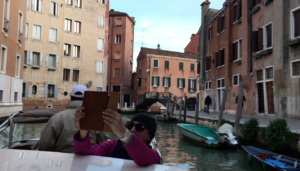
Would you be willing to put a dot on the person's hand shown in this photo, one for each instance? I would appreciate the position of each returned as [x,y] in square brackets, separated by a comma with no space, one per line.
[114,120]
[77,117]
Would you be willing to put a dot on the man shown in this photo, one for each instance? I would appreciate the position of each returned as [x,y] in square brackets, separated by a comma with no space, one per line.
[207,103]
[60,129]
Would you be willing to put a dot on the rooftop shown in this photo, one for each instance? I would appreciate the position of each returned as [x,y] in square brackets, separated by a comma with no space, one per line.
[169,53]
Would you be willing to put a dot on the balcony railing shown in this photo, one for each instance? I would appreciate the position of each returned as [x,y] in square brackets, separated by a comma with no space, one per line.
[6,25]
[20,38]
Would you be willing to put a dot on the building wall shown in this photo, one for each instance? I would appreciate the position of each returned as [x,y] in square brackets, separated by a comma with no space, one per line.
[193,45]
[10,82]
[87,40]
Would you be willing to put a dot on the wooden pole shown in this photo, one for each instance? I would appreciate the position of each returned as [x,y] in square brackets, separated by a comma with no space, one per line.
[239,110]
[184,117]
[222,107]
[173,107]
[180,109]
[197,109]
[168,109]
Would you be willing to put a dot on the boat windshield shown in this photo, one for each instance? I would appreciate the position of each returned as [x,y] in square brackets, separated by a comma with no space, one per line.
[4,135]
[27,131]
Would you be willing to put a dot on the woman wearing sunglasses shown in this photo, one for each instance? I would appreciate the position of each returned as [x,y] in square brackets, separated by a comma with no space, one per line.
[133,142]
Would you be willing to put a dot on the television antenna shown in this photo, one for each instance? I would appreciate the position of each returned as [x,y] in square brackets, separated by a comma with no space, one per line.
[143,37]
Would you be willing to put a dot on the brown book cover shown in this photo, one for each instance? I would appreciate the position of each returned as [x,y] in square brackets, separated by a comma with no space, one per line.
[95,102]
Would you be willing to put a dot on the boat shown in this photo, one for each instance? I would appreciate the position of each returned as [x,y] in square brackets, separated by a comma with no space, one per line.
[208,137]
[272,161]
[19,146]
[163,118]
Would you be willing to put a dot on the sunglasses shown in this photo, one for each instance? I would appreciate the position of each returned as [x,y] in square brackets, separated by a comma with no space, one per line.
[138,127]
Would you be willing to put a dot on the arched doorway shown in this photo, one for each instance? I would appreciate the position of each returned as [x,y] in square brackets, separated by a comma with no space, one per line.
[191,104]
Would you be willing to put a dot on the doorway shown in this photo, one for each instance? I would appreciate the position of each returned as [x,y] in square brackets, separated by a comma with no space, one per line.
[260,93]
[127,100]
[270,98]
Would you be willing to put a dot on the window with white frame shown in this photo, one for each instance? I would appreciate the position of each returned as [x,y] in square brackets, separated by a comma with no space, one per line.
[269,73]
[67,49]
[68,25]
[181,83]
[76,51]
[237,53]
[192,85]
[99,67]
[100,45]
[101,20]
[118,39]
[192,67]
[69,2]
[26,30]
[166,81]
[77,3]
[295,23]
[268,34]
[77,27]
[262,38]
[98,88]
[155,81]
[54,8]
[53,35]
[36,59]
[3,59]
[37,5]
[20,28]
[180,65]
[236,80]
[208,85]
[37,32]
[260,75]
[155,63]
[52,61]
[221,83]
[296,68]
[6,12]
[18,66]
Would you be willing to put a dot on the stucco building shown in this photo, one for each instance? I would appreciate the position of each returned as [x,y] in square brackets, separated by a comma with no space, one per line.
[66,44]
[121,42]
[12,20]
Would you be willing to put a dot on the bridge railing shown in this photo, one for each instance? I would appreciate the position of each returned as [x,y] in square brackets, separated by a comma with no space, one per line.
[159,96]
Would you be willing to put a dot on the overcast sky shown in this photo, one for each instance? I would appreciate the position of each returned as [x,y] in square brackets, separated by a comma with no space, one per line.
[169,23]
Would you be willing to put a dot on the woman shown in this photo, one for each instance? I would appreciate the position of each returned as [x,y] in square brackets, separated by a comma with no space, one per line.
[133,143]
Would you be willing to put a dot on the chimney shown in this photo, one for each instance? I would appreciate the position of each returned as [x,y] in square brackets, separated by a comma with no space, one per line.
[158,46]
[112,10]
[204,11]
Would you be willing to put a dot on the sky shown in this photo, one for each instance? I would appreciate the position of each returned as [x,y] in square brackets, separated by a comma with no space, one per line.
[169,23]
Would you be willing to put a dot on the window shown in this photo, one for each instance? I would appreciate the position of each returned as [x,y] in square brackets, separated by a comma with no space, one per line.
[52,61]
[253,3]
[181,83]
[236,12]
[68,25]
[221,83]
[53,35]
[237,50]
[155,63]
[117,55]
[24,90]
[16,96]
[36,59]
[67,49]
[1,95]
[3,58]
[295,18]
[98,88]
[34,90]
[155,81]
[51,91]
[100,45]
[118,38]
[192,67]
[166,81]
[6,12]
[180,65]
[28,4]
[25,57]
[77,27]
[20,28]
[18,65]
[99,67]
[76,51]
[69,2]
[210,33]
[117,73]
[220,58]
[66,76]
[37,5]
[262,38]
[269,73]
[140,65]
[26,30]
[118,22]
[101,20]
[75,75]
[208,63]
[236,80]
[296,68]
[54,8]
[166,64]
[77,3]
[208,85]
[260,75]
[36,32]
[268,37]
[192,85]
[221,24]
[132,28]
[102,1]
[116,88]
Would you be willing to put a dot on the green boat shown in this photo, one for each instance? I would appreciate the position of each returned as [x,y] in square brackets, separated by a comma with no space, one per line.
[206,136]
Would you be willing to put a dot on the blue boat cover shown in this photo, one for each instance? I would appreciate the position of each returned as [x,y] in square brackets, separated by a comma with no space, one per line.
[278,163]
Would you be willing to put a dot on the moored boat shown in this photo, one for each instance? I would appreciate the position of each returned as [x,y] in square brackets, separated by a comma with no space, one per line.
[272,161]
[163,118]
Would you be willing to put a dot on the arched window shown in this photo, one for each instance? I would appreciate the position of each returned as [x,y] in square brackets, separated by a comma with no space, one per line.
[34,89]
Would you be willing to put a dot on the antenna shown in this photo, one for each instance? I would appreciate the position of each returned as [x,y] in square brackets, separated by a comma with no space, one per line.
[143,37]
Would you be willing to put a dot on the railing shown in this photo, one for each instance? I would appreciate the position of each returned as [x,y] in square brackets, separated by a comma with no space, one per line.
[20,38]
[162,97]
[6,25]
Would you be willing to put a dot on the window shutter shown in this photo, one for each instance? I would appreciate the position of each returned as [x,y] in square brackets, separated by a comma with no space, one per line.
[254,41]
[232,14]
[28,58]
[223,57]
[56,9]
[56,61]
[46,91]
[101,66]
[98,67]
[38,32]
[208,34]
[198,68]
[140,82]
[297,23]
[233,52]
[40,5]
[212,32]
[105,2]
[195,84]
[250,4]
[269,36]
[219,24]
[41,59]
[152,80]
[50,35]
[260,41]
[31,58]
[189,83]
[217,59]
[47,60]
[51,8]
[33,4]
[178,82]
[99,20]
[26,89]
[239,9]
[28,4]
[163,81]
[55,91]
[158,79]
[169,82]
[183,83]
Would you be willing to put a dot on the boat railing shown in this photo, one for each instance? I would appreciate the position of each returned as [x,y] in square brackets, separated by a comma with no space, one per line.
[7,120]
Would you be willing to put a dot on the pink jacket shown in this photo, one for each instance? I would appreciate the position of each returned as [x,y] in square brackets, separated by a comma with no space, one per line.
[137,150]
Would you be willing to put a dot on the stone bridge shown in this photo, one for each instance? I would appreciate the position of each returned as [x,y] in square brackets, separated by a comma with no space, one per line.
[149,98]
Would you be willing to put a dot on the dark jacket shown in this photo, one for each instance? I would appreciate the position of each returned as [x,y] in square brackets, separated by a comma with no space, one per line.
[236,99]
[208,100]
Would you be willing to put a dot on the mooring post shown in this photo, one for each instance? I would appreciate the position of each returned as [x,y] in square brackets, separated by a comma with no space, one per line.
[168,108]
[197,109]
[184,116]
[239,110]
[180,109]
[222,107]
[173,107]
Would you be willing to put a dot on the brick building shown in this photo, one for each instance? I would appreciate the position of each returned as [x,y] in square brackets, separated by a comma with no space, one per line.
[12,20]
[121,41]
[193,45]
[65,44]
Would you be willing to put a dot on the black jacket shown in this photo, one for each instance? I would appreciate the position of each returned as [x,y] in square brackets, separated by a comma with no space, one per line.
[208,100]
[236,99]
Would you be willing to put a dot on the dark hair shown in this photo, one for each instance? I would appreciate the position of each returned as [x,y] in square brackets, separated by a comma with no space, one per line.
[76,98]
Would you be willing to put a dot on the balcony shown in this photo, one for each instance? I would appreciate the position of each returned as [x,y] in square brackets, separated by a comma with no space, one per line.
[20,38]
[6,25]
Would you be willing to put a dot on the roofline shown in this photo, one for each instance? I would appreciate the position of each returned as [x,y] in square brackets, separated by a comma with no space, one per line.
[220,11]
[124,14]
